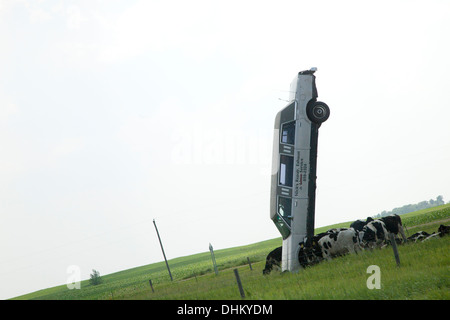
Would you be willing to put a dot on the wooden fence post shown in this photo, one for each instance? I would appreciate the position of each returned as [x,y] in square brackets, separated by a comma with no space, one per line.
[151,285]
[238,280]
[249,263]
[213,258]
[394,247]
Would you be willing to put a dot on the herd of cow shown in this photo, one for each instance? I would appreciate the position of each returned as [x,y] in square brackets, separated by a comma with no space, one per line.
[359,236]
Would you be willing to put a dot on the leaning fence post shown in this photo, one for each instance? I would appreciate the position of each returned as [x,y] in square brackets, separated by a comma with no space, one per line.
[238,280]
[394,247]
[249,263]
[151,285]
[213,258]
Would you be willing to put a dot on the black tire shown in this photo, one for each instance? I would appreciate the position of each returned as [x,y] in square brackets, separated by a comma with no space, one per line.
[318,112]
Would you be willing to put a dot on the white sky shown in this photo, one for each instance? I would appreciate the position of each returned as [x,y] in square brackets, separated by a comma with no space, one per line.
[113,113]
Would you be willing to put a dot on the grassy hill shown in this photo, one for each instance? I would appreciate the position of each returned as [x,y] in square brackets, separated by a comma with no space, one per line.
[423,273]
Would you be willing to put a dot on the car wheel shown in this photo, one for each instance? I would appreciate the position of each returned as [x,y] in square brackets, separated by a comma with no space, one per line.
[318,112]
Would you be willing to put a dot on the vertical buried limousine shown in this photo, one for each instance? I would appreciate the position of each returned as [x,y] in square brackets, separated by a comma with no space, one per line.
[293,182]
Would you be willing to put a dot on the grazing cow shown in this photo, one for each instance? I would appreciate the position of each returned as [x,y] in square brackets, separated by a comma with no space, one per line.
[305,256]
[421,235]
[374,234]
[339,243]
[358,225]
[273,259]
[394,225]
[443,230]
[310,253]
[431,236]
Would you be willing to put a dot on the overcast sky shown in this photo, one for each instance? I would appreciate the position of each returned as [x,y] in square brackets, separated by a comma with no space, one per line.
[115,113]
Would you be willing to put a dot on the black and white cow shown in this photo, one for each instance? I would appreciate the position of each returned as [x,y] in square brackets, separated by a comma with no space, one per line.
[310,252]
[273,259]
[431,236]
[443,230]
[374,234]
[421,235]
[339,243]
[394,225]
[358,225]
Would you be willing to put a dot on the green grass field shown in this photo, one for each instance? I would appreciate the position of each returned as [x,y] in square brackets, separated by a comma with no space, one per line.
[423,273]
